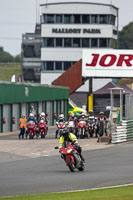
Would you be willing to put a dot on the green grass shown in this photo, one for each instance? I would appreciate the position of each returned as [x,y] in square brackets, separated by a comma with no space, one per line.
[120,193]
[7,70]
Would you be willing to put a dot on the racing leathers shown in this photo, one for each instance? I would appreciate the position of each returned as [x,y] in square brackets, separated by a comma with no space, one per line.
[70,138]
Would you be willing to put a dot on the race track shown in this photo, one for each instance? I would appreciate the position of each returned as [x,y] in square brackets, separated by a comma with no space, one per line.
[104,167]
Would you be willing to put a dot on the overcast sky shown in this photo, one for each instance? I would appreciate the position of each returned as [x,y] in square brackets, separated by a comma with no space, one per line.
[19,16]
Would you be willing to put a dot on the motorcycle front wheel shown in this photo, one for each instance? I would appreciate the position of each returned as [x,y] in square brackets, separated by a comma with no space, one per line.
[70,164]
[82,167]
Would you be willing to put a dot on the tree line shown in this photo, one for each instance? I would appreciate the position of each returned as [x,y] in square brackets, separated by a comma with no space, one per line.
[125,37]
[6,57]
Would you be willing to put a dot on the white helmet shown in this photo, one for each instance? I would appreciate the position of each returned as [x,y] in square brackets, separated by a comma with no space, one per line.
[31,115]
[61,116]
[42,114]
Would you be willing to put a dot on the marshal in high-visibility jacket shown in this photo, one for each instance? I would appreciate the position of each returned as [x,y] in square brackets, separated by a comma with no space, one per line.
[22,122]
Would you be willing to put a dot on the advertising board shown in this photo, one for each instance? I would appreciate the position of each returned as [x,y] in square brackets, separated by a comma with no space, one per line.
[107,63]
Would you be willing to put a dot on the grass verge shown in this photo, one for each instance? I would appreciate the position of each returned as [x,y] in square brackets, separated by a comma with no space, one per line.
[120,193]
[7,70]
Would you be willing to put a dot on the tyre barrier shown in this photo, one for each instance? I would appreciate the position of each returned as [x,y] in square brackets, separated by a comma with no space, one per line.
[123,132]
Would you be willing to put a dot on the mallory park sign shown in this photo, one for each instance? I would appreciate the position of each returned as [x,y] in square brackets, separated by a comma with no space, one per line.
[107,63]
[75,30]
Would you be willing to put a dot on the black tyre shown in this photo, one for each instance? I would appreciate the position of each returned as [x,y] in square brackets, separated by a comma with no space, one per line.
[70,164]
[82,167]
[81,133]
[77,134]
[56,134]
[42,135]
[101,128]
[91,133]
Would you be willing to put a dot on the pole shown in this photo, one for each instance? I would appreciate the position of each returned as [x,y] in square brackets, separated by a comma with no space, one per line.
[90,96]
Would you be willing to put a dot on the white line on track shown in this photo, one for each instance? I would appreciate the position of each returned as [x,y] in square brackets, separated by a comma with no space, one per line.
[109,187]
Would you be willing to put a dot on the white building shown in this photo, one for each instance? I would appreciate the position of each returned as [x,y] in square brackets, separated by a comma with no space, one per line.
[67,27]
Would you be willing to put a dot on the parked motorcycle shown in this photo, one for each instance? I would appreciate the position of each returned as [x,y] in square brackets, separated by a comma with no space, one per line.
[42,128]
[71,157]
[82,129]
[31,130]
[91,125]
[60,127]
[100,127]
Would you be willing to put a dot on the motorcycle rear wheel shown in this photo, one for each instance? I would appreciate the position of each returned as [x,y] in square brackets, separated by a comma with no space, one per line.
[70,164]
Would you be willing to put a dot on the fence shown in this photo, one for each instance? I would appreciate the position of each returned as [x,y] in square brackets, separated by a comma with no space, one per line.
[129,106]
[123,132]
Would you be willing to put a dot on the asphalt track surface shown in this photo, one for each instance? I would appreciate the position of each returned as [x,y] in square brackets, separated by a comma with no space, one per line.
[104,167]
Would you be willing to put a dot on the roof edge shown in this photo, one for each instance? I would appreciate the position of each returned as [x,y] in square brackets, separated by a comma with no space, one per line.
[57,3]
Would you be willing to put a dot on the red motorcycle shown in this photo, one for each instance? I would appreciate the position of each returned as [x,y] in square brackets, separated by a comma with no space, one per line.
[82,129]
[42,129]
[60,127]
[71,157]
[31,130]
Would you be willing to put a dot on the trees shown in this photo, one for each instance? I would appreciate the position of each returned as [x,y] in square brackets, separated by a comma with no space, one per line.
[7,57]
[125,37]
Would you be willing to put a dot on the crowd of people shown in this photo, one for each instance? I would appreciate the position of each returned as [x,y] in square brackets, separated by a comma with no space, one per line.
[91,123]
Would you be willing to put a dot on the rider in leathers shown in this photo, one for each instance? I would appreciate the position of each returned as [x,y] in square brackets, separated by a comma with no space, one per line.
[70,137]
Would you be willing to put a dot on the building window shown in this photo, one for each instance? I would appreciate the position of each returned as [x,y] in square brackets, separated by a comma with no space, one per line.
[94,42]
[103,19]
[67,19]
[103,42]
[50,42]
[58,66]
[94,19]
[67,42]
[67,65]
[50,19]
[76,19]
[112,20]
[85,42]
[114,32]
[49,66]
[85,19]
[42,19]
[43,68]
[76,42]
[58,19]
[58,42]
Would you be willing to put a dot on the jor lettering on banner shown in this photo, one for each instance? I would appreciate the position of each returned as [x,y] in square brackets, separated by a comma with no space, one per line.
[109,63]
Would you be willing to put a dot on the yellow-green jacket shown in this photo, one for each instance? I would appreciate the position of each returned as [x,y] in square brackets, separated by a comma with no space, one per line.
[72,138]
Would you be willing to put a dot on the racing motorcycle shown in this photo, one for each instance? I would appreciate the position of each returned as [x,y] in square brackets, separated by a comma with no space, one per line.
[42,128]
[71,157]
[31,129]
[82,129]
[71,126]
[60,127]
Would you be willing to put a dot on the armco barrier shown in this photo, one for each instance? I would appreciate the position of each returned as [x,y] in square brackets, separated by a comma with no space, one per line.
[123,132]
